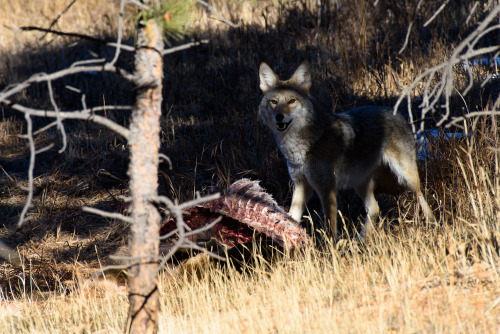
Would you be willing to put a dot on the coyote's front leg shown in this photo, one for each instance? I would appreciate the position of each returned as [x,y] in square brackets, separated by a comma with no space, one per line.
[302,191]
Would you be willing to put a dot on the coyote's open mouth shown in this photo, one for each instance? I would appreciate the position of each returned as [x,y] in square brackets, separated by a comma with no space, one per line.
[281,126]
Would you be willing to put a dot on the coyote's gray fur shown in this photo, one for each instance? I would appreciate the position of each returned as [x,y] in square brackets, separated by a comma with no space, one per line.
[363,148]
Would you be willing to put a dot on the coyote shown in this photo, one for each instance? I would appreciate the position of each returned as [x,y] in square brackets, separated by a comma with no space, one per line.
[366,148]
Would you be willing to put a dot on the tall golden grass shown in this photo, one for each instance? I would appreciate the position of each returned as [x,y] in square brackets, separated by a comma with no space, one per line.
[441,280]
[410,277]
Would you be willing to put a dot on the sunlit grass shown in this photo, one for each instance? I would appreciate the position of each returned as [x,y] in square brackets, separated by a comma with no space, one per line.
[420,281]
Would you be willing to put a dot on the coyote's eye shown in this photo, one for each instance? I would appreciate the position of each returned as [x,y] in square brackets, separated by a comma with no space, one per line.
[273,102]
[292,101]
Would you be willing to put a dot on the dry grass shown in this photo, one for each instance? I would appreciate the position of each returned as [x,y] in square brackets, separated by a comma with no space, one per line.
[422,281]
[93,18]
[411,277]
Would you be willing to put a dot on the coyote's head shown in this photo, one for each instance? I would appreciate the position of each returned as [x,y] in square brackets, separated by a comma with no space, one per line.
[285,104]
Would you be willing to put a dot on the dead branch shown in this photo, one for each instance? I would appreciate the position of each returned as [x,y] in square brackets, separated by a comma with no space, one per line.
[170,204]
[60,127]
[58,17]
[474,114]
[217,15]
[43,77]
[138,4]
[434,92]
[31,167]
[119,46]
[183,47]
[78,114]
[436,13]
[61,33]
[120,33]
[112,215]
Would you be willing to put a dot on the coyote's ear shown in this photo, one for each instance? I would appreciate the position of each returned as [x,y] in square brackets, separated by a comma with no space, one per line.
[268,79]
[302,77]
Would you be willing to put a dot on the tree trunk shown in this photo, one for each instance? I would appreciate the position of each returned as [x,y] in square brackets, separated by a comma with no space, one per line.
[144,144]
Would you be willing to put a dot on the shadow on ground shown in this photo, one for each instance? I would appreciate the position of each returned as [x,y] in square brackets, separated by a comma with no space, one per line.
[210,128]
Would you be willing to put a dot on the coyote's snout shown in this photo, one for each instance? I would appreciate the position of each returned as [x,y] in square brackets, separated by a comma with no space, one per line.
[366,148]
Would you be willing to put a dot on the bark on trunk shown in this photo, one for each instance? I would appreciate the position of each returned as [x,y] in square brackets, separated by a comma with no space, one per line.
[144,144]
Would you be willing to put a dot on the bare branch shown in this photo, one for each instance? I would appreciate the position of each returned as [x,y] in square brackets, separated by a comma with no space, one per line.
[180,230]
[178,245]
[172,207]
[191,233]
[58,117]
[58,17]
[120,33]
[112,215]
[473,114]
[433,93]
[217,15]
[61,33]
[78,114]
[472,11]
[86,62]
[43,77]
[118,46]
[184,47]
[406,39]
[166,51]
[436,13]
[123,47]
[167,159]
[81,36]
[199,200]
[168,235]
[45,128]
[31,167]
[44,149]
[138,4]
